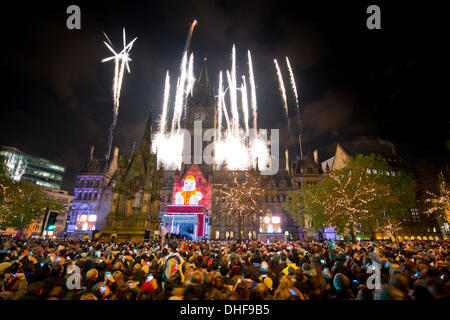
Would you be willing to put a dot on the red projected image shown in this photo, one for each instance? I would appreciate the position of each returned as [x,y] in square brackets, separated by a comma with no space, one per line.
[86,222]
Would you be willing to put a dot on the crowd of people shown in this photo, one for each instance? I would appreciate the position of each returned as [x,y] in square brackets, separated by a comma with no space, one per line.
[223,270]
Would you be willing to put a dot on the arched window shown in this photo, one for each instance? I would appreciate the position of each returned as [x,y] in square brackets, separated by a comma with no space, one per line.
[95,196]
[217,235]
[79,196]
[231,235]
[84,195]
[83,182]
[90,196]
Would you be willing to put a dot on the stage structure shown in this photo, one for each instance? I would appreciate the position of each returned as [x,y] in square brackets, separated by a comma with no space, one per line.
[188,215]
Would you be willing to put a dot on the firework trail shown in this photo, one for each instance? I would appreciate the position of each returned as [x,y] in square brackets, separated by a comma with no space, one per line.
[121,61]
[191,78]
[244,103]
[233,91]
[294,89]
[189,36]
[162,125]
[181,93]
[252,92]
[283,95]
[219,105]
[225,112]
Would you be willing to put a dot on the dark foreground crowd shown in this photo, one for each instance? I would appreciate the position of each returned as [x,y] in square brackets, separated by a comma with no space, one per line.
[218,270]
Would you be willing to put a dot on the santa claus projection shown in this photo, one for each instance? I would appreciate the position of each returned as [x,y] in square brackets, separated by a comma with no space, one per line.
[188,194]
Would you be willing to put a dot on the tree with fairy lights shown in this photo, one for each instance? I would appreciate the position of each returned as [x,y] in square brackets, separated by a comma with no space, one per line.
[439,202]
[239,197]
[359,197]
[21,202]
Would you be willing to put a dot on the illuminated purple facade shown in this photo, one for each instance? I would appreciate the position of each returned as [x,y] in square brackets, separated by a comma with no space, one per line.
[92,195]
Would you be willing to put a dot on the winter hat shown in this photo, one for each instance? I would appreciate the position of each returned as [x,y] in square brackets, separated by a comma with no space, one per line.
[235,270]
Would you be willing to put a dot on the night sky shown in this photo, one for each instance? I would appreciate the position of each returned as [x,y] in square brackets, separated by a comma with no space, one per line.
[391,83]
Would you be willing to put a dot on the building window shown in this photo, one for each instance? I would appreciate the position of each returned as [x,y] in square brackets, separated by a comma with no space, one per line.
[415,214]
[310,170]
[217,235]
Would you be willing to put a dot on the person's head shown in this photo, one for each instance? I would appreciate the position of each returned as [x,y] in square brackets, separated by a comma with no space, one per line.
[57,270]
[242,291]
[118,277]
[88,296]
[92,275]
[256,294]
[56,292]
[341,281]
[285,283]
[400,282]
[364,294]
[36,288]
[389,293]
[196,277]
[209,279]
[218,281]
[146,295]
[178,291]
[118,266]
[248,273]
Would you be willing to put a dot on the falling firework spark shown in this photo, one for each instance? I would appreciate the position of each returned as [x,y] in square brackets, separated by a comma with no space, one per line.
[294,89]
[191,78]
[121,61]
[252,92]
[181,94]
[219,106]
[225,113]
[283,95]
[281,84]
[162,125]
[244,103]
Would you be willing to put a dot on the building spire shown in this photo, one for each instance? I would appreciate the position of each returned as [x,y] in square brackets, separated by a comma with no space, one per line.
[146,142]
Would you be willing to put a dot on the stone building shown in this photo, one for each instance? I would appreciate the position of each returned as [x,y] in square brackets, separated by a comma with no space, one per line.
[136,193]
[92,195]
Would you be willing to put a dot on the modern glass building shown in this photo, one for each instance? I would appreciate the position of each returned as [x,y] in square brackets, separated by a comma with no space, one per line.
[32,169]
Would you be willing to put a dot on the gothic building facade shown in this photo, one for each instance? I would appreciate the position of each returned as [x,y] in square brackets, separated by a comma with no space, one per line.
[136,193]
